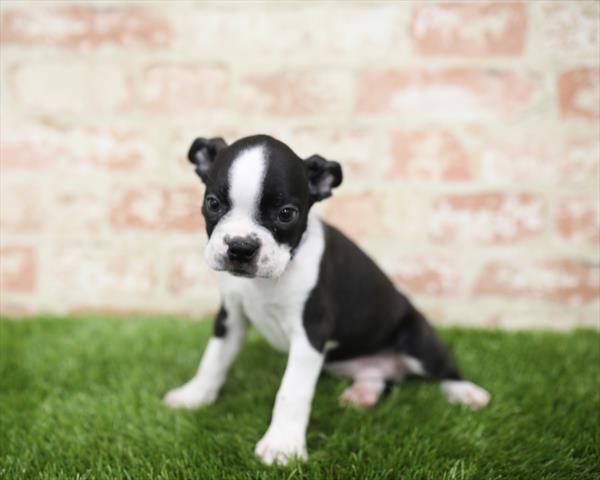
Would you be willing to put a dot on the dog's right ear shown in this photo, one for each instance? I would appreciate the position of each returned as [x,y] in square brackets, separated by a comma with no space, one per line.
[203,153]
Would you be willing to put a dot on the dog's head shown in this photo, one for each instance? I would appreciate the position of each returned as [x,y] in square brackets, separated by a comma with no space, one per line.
[257,199]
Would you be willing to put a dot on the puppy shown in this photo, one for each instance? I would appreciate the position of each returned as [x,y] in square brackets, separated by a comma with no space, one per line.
[306,287]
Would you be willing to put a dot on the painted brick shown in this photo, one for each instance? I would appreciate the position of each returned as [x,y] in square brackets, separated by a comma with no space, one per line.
[469,29]
[295,93]
[570,28]
[291,31]
[155,208]
[449,95]
[378,215]
[426,275]
[70,88]
[577,220]
[189,275]
[88,275]
[84,27]
[18,269]
[73,211]
[38,147]
[564,281]
[487,218]
[354,148]
[579,94]
[21,208]
[185,88]
[546,156]
[429,155]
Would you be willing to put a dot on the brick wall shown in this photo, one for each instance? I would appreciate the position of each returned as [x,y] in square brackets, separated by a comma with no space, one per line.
[469,134]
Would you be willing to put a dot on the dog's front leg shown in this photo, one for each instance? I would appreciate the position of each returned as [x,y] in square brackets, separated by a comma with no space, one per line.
[222,348]
[286,437]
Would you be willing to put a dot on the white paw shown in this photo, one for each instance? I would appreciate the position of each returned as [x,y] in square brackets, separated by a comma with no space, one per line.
[189,396]
[281,447]
[466,393]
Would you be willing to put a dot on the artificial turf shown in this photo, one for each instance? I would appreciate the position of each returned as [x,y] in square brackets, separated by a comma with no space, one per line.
[81,398]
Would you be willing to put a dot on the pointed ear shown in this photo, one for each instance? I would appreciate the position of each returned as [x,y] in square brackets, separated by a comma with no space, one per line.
[203,153]
[323,177]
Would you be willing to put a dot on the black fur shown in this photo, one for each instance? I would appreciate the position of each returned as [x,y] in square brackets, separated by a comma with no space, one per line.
[355,305]
[220,328]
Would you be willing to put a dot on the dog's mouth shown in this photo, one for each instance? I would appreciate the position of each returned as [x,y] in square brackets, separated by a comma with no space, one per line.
[240,269]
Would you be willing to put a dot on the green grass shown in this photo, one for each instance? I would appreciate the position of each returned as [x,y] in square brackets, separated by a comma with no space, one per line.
[80,398]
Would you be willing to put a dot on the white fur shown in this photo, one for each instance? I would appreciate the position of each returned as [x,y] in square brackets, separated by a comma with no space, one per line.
[466,393]
[246,178]
[286,437]
[414,366]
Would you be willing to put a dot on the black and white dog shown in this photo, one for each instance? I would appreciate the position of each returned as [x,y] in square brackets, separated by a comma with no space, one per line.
[306,287]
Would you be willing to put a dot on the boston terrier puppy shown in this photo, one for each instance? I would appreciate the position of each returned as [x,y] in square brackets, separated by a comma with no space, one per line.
[307,288]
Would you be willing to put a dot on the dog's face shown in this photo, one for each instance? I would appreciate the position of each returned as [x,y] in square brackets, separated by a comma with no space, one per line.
[258,195]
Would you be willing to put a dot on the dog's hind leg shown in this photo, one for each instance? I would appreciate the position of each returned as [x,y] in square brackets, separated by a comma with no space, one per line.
[370,374]
[425,355]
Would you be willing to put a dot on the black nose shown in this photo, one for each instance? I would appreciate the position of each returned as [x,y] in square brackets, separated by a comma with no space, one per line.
[242,249]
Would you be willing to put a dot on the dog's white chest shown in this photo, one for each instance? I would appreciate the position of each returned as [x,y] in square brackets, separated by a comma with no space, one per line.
[268,307]
[271,320]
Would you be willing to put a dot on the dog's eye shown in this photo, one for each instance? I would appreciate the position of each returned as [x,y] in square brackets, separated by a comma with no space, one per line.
[287,214]
[213,205]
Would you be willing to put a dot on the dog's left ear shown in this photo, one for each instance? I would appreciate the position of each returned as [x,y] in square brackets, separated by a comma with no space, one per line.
[323,177]
[203,152]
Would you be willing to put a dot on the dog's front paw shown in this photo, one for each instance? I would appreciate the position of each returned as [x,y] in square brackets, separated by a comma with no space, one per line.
[189,396]
[281,447]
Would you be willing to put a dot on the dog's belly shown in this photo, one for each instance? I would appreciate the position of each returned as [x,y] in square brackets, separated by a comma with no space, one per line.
[387,366]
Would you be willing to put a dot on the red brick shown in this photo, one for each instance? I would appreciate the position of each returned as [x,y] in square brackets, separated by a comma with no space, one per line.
[579,94]
[155,208]
[570,28]
[545,156]
[565,281]
[98,274]
[469,29]
[185,88]
[429,155]
[189,275]
[84,27]
[44,148]
[75,88]
[449,95]
[295,93]
[487,218]
[18,269]
[20,208]
[577,220]
[426,275]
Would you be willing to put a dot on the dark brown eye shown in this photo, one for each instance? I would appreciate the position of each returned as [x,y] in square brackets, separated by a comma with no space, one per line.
[287,214]
[213,205]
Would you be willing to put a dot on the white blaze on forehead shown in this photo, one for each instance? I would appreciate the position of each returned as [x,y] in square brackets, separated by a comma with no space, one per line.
[246,179]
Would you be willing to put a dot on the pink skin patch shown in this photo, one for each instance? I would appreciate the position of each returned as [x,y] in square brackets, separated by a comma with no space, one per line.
[363,393]
[369,375]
